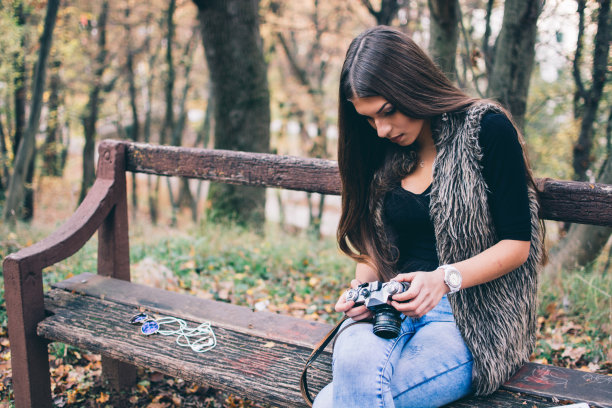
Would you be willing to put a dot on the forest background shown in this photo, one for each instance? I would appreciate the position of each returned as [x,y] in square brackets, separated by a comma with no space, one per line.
[263,76]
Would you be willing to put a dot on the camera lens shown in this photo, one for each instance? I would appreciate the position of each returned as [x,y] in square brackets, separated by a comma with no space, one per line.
[387,322]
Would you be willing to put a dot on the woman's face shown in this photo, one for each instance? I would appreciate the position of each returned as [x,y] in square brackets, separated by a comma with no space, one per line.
[389,122]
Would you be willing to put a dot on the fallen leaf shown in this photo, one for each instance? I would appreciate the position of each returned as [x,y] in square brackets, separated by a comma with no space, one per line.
[72,396]
[298,306]
[103,398]
[269,344]
[574,353]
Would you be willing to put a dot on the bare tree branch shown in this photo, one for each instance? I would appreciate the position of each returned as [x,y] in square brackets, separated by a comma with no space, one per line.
[300,73]
[467,51]
[487,52]
[580,93]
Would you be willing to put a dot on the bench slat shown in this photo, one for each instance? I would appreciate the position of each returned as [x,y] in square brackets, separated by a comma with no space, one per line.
[243,364]
[233,317]
[564,383]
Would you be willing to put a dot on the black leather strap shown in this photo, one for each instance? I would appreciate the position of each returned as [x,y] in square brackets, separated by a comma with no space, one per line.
[313,356]
[316,352]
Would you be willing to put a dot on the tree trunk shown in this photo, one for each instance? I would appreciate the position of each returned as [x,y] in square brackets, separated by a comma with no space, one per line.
[444,34]
[168,127]
[90,116]
[185,197]
[19,65]
[3,159]
[52,148]
[233,46]
[148,101]
[134,130]
[591,97]
[25,153]
[514,56]
[583,243]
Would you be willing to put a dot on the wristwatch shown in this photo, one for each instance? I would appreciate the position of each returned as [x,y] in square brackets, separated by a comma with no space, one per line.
[452,277]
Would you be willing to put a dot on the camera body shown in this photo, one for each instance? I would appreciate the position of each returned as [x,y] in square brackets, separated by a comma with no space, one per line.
[375,295]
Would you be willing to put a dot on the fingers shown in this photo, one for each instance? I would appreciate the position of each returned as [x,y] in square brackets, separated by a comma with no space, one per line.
[359,313]
[355,283]
[417,308]
[413,291]
[404,277]
[342,305]
[420,298]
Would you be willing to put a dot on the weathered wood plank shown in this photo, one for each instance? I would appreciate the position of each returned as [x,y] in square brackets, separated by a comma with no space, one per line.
[256,169]
[567,384]
[247,365]
[504,399]
[571,201]
[238,318]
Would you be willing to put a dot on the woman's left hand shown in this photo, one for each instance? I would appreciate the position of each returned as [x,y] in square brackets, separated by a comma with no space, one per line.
[426,290]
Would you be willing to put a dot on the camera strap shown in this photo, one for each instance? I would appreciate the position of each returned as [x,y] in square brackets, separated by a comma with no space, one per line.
[318,349]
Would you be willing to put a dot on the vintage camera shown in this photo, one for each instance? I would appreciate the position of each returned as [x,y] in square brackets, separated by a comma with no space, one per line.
[374,295]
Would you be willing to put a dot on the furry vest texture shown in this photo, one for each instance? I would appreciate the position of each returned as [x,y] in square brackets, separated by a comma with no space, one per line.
[497,319]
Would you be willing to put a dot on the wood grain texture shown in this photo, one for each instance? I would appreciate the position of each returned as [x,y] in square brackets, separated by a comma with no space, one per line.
[567,384]
[247,365]
[571,201]
[255,169]
[232,317]
[574,201]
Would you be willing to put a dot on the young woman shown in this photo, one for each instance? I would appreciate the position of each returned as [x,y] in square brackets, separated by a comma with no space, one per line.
[437,193]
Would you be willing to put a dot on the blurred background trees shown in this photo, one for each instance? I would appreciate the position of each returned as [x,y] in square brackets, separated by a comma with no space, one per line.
[262,75]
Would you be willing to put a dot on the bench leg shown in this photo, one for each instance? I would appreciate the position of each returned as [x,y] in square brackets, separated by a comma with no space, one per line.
[23,292]
[119,375]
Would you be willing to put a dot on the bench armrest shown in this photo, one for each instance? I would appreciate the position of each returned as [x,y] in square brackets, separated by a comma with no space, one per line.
[91,213]
[74,233]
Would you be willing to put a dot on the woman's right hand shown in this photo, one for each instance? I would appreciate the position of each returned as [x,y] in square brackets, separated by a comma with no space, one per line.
[356,313]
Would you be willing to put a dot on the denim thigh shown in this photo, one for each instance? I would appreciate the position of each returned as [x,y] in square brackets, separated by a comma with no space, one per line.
[435,367]
[428,364]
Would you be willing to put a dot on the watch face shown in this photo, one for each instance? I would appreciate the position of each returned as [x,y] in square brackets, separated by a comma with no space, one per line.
[454,278]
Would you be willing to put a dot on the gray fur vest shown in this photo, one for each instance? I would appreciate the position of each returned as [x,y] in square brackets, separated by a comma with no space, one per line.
[497,319]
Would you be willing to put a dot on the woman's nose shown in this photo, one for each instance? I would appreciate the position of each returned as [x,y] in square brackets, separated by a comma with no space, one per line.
[383,128]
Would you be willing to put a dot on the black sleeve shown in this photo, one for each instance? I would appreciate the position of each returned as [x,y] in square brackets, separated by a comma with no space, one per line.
[503,168]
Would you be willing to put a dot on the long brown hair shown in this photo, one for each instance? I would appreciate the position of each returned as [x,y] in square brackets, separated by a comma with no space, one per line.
[384,62]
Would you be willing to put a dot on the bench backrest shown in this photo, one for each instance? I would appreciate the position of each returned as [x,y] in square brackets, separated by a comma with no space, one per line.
[570,201]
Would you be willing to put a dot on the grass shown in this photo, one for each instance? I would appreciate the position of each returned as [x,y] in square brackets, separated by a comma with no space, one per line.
[575,315]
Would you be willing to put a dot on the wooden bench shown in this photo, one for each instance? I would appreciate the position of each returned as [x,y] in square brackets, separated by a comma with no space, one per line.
[259,355]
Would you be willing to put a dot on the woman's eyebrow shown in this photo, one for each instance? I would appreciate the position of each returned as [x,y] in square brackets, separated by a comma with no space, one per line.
[383,107]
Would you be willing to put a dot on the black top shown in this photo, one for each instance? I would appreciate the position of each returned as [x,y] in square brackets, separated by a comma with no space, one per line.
[503,169]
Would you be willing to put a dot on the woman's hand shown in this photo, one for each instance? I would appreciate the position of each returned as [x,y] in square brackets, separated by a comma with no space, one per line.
[426,290]
[356,313]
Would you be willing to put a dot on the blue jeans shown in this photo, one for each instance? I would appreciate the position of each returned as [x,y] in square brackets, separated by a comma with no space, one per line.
[427,365]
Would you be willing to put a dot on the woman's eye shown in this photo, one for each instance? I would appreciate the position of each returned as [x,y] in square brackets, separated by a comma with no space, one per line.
[389,112]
